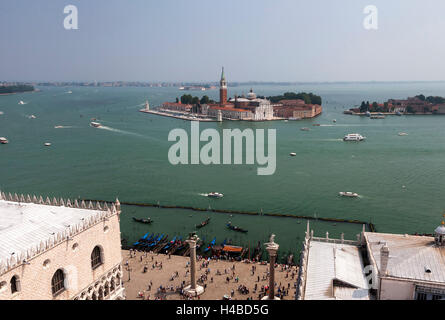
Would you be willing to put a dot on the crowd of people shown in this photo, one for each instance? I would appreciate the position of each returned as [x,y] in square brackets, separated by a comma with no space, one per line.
[205,275]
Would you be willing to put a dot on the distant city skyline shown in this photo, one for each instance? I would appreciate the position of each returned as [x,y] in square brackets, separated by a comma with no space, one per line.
[256,41]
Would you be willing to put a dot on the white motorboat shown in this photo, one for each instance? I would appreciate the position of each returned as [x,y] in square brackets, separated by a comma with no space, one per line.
[3,140]
[58,127]
[32,117]
[305,129]
[354,137]
[403,134]
[293,154]
[21,102]
[215,195]
[47,144]
[294,119]
[1,112]
[95,124]
[349,194]
[334,121]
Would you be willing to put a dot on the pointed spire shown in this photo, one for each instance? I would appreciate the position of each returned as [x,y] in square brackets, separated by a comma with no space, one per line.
[223,77]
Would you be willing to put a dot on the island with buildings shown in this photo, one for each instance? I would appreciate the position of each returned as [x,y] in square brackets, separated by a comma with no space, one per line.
[11,88]
[418,105]
[291,106]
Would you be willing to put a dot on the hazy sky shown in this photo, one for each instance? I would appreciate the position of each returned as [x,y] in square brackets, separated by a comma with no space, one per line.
[189,40]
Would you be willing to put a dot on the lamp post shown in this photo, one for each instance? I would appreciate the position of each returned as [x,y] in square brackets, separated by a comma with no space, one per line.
[193,288]
[272,248]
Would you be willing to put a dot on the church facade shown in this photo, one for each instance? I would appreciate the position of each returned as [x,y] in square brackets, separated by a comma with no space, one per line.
[59,249]
[240,108]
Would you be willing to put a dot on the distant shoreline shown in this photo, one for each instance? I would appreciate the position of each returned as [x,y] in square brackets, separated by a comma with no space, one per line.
[11,93]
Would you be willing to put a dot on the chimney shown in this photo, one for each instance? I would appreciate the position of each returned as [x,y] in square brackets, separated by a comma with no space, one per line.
[384,257]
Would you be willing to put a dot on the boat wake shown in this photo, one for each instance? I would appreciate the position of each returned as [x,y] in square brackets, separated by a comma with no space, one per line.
[124,132]
[64,127]
[203,194]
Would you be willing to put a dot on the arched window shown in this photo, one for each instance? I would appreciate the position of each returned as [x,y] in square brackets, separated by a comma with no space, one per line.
[96,257]
[15,284]
[57,282]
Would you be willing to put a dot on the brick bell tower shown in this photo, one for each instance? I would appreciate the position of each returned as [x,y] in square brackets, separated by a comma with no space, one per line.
[223,89]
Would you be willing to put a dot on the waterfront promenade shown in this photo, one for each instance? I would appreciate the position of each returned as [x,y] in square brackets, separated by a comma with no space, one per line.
[218,277]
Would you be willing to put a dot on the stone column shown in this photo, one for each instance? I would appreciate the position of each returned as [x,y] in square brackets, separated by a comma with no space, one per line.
[193,288]
[272,248]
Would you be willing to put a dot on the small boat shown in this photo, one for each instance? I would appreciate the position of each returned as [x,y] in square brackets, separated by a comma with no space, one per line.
[349,194]
[47,144]
[58,127]
[368,114]
[305,129]
[3,140]
[210,245]
[378,117]
[215,195]
[294,119]
[334,121]
[32,117]
[398,113]
[146,221]
[69,92]
[353,137]
[293,154]
[95,124]
[1,113]
[235,228]
[21,102]
[403,134]
[316,125]
[203,224]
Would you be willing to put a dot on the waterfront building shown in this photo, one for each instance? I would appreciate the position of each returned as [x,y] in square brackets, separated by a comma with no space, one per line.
[59,249]
[375,266]
[296,109]
[177,106]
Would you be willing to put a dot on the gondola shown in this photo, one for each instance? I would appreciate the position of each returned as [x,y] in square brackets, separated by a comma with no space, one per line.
[210,245]
[235,228]
[203,224]
[146,221]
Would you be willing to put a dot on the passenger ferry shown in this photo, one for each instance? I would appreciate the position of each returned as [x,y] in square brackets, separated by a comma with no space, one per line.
[354,137]
[349,194]
[3,140]
[215,195]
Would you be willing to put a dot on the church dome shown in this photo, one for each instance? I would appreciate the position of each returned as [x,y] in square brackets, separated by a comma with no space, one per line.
[251,95]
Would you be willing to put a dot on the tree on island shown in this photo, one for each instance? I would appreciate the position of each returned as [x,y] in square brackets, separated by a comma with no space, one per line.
[363,107]
[421,97]
[205,100]
[308,98]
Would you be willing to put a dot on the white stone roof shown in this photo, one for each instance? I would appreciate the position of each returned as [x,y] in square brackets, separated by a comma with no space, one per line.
[330,263]
[409,256]
[29,226]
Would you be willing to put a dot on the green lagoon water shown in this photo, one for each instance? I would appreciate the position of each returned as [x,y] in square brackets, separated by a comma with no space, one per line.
[128,159]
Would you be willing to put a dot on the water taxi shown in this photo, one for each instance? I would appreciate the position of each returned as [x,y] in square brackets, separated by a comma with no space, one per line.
[215,195]
[3,140]
[354,137]
[95,124]
[349,194]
